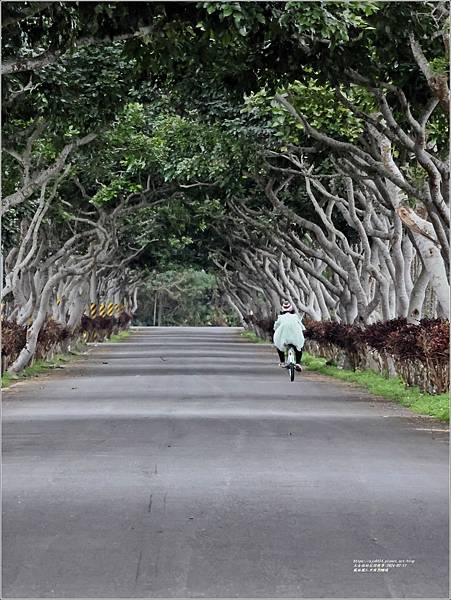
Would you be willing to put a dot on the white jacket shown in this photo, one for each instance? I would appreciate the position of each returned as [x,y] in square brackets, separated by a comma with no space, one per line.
[289,330]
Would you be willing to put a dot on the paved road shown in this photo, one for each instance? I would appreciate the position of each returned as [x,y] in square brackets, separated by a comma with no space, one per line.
[182,463]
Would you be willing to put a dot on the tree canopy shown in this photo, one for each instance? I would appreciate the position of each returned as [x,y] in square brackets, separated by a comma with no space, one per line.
[286,149]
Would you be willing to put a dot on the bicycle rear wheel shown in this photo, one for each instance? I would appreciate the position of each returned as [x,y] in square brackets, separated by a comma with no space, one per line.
[291,360]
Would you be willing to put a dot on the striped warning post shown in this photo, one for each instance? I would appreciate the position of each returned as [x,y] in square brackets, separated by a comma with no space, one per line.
[116,309]
[93,310]
[110,309]
[102,310]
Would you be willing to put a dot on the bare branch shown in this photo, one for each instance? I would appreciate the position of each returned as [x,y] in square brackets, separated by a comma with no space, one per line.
[438,82]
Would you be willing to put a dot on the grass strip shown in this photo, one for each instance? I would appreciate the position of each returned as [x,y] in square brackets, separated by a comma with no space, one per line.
[117,337]
[37,368]
[392,388]
[250,335]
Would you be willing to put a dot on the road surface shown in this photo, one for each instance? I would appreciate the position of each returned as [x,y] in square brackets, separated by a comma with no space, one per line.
[181,462]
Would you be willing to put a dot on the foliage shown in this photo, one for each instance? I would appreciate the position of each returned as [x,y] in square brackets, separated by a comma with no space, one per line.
[376,334]
[342,335]
[184,297]
[34,28]
[183,106]
[421,352]
[13,338]
[52,333]
[316,101]
[397,337]
[403,343]
[100,328]
[434,339]
[80,92]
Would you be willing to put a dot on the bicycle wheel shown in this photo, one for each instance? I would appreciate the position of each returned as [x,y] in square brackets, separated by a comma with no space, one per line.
[291,360]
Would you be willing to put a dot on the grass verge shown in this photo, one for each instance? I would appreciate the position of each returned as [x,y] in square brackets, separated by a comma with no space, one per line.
[37,368]
[43,366]
[122,335]
[392,389]
[250,335]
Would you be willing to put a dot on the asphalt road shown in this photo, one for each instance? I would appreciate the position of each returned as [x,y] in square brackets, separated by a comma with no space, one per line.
[183,463]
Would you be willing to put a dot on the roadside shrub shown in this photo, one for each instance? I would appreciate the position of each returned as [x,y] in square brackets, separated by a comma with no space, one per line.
[97,329]
[403,343]
[433,339]
[14,337]
[330,335]
[52,334]
[419,353]
[124,320]
[13,340]
[55,337]
[376,334]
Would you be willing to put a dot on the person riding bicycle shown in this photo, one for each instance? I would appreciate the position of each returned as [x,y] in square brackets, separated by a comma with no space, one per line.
[288,329]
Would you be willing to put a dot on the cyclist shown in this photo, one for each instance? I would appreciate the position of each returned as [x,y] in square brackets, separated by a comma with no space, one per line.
[288,329]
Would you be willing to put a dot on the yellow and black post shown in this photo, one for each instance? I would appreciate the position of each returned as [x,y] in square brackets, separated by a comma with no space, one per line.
[110,309]
[102,310]
[93,310]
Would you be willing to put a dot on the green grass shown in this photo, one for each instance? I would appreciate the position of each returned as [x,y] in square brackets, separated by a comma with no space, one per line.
[37,368]
[392,389]
[43,366]
[250,335]
[122,335]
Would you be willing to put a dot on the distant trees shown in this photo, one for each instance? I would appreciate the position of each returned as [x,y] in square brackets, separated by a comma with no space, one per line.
[183,297]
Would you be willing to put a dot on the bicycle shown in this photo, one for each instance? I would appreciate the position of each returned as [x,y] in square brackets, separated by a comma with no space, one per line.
[290,363]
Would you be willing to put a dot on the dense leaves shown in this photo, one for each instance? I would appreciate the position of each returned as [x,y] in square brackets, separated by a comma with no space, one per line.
[377,334]
[182,101]
[344,336]
[422,348]
[183,297]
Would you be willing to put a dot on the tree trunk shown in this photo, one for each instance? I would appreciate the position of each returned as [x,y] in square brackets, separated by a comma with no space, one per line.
[417,297]
[77,306]
[155,309]
[29,350]
[236,309]
[427,245]
[160,311]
